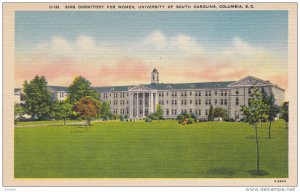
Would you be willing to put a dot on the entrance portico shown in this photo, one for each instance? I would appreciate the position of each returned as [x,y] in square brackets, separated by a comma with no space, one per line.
[142,101]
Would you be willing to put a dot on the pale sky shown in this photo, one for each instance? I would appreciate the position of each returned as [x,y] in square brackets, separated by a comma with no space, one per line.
[122,48]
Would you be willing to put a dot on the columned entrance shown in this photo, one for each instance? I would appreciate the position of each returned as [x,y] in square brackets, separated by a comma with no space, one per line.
[141,104]
[142,101]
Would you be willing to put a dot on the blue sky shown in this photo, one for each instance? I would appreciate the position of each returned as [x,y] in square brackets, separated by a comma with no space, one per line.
[211,28]
[229,44]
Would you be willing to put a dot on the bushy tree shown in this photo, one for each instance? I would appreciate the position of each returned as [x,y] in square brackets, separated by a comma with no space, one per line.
[285,113]
[254,112]
[79,88]
[220,112]
[61,110]
[272,109]
[105,110]
[18,112]
[88,108]
[159,113]
[37,97]
[211,114]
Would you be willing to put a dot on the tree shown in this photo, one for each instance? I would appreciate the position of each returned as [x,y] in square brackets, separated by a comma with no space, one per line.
[37,97]
[105,110]
[88,108]
[272,108]
[159,112]
[254,112]
[18,111]
[211,114]
[220,112]
[285,113]
[61,110]
[80,88]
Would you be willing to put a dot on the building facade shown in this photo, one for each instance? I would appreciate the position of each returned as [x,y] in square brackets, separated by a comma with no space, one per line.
[141,100]
[138,101]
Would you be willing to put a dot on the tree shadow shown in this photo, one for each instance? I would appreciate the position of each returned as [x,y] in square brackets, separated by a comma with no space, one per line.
[253,137]
[221,171]
[254,172]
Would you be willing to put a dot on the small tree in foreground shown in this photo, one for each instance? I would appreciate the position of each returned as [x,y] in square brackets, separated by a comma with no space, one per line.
[61,110]
[254,112]
[211,114]
[88,108]
[18,111]
[285,113]
[159,113]
[272,108]
[220,112]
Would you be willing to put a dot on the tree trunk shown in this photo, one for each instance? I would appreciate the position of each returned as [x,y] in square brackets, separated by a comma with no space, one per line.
[270,129]
[257,150]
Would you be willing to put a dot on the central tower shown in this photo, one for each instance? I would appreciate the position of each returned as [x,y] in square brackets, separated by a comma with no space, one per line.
[154,77]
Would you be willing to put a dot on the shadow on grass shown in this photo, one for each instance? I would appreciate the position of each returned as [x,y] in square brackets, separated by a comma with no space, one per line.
[254,172]
[253,137]
[221,171]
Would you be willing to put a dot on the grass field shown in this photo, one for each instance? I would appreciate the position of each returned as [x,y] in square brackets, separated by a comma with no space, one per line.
[162,149]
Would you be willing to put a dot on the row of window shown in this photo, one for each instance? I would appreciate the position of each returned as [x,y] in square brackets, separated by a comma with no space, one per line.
[174,93]
[190,93]
[122,111]
[197,102]
[183,102]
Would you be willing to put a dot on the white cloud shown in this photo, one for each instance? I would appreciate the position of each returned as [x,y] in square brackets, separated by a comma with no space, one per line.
[186,44]
[157,39]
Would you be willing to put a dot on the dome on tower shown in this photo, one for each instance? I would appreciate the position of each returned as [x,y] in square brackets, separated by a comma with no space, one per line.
[155,70]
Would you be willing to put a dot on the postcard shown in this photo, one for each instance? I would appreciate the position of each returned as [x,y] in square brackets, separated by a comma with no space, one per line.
[150,94]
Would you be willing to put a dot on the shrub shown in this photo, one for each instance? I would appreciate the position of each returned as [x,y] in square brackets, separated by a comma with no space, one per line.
[190,120]
[227,119]
[122,118]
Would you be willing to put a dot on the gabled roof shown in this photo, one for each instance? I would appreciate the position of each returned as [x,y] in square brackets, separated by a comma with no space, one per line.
[250,80]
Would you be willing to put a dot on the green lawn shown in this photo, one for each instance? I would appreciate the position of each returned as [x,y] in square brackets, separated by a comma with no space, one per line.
[61,122]
[162,149]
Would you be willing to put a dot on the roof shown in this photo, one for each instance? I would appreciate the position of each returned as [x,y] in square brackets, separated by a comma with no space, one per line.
[114,88]
[203,85]
[57,88]
[169,86]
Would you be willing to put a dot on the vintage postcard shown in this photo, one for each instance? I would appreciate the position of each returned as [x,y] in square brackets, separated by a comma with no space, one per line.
[150,94]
